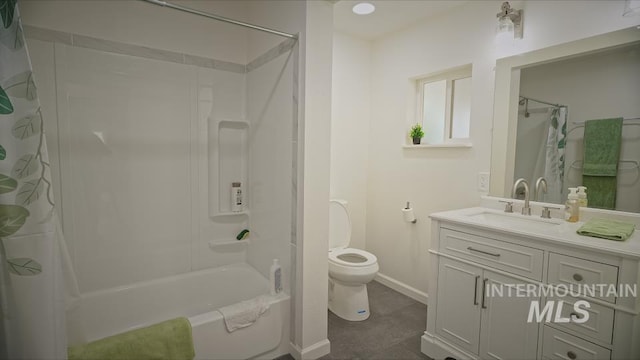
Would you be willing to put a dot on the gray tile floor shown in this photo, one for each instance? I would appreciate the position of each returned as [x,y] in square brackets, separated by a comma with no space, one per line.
[392,331]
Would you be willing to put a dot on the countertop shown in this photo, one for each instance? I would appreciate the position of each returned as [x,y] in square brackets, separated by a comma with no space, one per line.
[553,230]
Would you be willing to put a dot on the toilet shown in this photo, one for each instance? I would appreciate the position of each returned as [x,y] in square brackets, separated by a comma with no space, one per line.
[349,269]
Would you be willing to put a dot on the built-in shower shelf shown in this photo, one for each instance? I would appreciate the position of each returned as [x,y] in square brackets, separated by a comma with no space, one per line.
[235,213]
[228,163]
[215,244]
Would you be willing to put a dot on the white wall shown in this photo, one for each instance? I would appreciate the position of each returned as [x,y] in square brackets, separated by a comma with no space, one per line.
[313,21]
[140,23]
[132,173]
[441,179]
[315,104]
[270,112]
[350,115]
[122,22]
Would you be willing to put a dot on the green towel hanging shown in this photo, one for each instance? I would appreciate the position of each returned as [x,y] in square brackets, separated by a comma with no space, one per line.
[602,140]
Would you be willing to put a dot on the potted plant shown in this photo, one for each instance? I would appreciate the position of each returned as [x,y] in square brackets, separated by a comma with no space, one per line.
[416,133]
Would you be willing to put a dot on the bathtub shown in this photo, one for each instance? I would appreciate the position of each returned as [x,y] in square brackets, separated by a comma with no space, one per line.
[194,295]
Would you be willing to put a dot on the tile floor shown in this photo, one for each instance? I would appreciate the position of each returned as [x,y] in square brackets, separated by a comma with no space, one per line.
[392,331]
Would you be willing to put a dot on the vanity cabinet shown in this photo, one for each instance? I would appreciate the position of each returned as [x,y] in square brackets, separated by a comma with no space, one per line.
[459,316]
[468,319]
[479,323]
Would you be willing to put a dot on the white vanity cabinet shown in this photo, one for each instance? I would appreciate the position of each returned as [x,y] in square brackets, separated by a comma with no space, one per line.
[478,323]
[465,321]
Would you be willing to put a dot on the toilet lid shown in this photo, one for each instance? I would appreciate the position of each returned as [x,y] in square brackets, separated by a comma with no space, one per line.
[339,225]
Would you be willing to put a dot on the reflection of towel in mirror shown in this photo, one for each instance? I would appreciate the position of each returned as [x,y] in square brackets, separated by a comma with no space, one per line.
[602,140]
[244,313]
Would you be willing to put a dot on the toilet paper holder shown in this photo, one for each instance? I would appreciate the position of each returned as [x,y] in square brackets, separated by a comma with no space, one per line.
[408,214]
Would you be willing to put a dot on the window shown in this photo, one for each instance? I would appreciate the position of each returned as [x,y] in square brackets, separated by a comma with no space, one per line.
[444,105]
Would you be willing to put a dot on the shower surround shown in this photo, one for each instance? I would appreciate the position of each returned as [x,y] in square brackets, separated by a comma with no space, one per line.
[141,166]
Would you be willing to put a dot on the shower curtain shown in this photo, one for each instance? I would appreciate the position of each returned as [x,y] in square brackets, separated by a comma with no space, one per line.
[31,284]
[554,155]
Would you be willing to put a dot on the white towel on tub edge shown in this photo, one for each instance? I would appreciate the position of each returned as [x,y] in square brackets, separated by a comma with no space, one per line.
[244,313]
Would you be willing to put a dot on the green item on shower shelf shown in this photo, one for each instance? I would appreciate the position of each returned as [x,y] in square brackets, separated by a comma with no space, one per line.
[243,234]
[607,229]
[169,340]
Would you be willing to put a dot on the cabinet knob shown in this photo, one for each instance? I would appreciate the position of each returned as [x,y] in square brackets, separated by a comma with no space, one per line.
[577,277]
[571,355]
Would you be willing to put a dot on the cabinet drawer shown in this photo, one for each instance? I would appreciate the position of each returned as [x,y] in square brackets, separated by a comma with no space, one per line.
[600,323]
[560,345]
[516,259]
[569,270]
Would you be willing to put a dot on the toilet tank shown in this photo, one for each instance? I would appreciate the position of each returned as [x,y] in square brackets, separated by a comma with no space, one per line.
[339,225]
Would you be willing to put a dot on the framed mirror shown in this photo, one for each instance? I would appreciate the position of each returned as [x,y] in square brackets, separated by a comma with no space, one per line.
[544,98]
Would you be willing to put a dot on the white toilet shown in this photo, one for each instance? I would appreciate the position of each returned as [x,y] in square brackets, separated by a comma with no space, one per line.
[349,269]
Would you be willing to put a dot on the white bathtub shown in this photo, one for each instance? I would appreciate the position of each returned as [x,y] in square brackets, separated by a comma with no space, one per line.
[195,295]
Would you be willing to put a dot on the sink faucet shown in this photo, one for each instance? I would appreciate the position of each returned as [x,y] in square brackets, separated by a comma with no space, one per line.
[540,183]
[526,210]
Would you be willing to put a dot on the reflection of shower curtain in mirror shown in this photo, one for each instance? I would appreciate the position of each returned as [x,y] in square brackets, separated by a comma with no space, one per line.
[554,154]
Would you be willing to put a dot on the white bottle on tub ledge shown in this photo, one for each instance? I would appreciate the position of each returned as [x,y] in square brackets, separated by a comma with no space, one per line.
[275,277]
[236,197]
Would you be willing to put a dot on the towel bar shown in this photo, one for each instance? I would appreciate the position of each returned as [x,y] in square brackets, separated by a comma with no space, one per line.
[580,124]
[634,162]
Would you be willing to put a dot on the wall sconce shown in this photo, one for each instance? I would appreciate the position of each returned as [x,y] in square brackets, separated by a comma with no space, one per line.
[510,20]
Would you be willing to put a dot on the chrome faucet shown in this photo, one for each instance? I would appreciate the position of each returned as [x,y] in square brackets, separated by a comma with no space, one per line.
[526,210]
[540,183]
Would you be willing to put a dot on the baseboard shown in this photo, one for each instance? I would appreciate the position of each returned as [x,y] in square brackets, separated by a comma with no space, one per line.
[312,352]
[403,288]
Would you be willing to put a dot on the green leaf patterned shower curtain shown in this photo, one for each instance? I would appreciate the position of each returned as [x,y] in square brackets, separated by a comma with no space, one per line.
[31,294]
[554,155]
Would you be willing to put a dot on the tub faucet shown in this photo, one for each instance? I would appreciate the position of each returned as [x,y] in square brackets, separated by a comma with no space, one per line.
[541,183]
[526,210]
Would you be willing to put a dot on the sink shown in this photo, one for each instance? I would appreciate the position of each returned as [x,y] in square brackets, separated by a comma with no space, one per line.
[511,220]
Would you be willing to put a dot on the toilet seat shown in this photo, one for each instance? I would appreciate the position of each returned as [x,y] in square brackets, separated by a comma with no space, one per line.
[341,257]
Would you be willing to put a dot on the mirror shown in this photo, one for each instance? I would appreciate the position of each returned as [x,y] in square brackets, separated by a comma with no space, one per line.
[539,92]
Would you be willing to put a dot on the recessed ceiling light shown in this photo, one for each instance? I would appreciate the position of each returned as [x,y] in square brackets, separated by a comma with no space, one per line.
[363,8]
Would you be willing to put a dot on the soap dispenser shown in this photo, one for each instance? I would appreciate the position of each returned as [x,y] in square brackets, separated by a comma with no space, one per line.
[571,207]
[582,196]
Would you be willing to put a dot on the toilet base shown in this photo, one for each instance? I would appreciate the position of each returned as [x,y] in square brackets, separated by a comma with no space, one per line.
[350,302]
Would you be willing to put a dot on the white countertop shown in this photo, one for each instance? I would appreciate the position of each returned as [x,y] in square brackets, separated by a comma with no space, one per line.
[562,232]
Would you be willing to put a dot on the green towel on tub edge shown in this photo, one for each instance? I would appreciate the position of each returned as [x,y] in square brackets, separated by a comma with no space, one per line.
[167,340]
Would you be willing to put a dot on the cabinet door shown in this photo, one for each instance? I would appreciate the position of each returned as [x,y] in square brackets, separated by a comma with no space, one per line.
[458,314]
[505,332]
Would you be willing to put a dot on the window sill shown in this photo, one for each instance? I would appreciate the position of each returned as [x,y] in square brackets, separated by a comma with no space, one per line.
[437,146]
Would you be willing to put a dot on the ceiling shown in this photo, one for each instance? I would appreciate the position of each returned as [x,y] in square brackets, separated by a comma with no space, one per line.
[390,16]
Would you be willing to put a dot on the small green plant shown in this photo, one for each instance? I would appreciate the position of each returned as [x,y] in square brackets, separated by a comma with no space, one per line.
[417,132]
